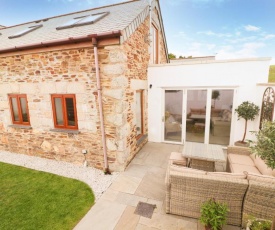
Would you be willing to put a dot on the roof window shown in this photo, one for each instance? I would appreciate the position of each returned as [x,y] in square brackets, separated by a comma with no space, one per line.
[81,21]
[25,31]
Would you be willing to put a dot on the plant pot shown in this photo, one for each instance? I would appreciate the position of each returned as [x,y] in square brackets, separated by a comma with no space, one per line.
[241,144]
[209,228]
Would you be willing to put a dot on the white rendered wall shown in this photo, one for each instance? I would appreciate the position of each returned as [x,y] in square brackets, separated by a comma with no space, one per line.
[241,75]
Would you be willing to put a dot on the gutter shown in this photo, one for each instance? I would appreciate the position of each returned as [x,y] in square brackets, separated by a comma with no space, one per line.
[62,41]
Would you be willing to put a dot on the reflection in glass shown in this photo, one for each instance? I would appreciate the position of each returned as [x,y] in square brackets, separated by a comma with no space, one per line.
[70,111]
[173,115]
[59,111]
[220,116]
[24,111]
[15,109]
[196,115]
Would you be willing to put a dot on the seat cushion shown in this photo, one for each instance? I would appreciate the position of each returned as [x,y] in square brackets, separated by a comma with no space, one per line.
[238,168]
[240,159]
[177,158]
[262,167]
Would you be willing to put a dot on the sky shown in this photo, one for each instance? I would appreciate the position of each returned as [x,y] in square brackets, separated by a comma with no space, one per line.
[228,29]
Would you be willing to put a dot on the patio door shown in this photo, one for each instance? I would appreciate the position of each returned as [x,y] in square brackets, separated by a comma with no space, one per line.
[196,115]
[208,115]
[173,115]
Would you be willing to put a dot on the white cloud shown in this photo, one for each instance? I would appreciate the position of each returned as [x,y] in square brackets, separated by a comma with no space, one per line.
[247,50]
[269,36]
[252,28]
[211,33]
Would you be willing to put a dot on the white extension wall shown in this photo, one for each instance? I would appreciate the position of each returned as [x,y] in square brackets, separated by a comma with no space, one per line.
[243,75]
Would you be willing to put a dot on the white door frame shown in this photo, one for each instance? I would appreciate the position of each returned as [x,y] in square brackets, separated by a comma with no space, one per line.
[208,111]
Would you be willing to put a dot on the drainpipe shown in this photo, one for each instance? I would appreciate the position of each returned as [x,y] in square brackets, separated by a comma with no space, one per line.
[106,165]
[150,28]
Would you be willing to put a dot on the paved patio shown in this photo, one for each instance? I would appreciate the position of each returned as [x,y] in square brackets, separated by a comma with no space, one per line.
[143,180]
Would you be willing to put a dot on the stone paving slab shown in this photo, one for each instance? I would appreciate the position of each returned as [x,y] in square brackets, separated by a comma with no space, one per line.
[143,181]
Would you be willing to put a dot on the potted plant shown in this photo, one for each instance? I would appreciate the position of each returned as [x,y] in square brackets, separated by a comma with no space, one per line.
[258,224]
[248,111]
[213,214]
[215,96]
[264,144]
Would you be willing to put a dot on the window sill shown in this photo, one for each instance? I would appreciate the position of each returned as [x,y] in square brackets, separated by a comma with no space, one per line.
[65,131]
[20,126]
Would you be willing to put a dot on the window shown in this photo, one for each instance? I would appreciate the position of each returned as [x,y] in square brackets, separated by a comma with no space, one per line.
[19,109]
[25,31]
[139,113]
[155,46]
[64,111]
[81,21]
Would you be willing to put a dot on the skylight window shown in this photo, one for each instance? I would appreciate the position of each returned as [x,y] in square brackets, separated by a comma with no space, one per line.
[81,21]
[25,31]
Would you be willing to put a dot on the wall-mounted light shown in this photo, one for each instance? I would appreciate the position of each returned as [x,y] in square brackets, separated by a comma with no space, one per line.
[150,86]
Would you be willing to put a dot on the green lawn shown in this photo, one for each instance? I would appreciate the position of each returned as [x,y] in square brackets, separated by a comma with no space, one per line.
[32,199]
[271,74]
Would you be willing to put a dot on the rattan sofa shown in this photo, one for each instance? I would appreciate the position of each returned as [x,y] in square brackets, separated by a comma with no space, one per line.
[245,193]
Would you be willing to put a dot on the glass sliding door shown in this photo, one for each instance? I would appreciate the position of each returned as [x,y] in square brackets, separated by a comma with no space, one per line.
[173,115]
[220,116]
[196,115]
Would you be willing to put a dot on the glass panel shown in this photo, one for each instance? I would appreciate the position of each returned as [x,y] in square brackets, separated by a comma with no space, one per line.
[196,114]
[59,111]
[138,113]
[15,109]
[221,113]
[70,111]
[90,19]
[24,111]
[173,115]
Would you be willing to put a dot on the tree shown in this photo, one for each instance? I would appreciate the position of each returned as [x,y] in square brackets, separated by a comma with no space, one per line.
[215,96]
[264,146]
[171,56]
[248,111]
[181,57]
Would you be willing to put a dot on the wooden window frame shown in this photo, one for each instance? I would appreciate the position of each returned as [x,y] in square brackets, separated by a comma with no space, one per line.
[20,115]
[142,113]
[155,45]
[64,109]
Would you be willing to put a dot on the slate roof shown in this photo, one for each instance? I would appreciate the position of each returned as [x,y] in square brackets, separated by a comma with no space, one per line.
[124,17]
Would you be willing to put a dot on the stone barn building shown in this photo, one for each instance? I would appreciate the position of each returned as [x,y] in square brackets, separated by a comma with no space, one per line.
[74,86]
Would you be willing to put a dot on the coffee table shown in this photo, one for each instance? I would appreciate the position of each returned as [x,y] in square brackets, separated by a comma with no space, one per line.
[203,156]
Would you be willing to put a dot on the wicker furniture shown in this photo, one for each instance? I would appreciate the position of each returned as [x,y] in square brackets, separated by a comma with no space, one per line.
[203,156]
[260,196]
[246,193]
[186,191]
[208,166]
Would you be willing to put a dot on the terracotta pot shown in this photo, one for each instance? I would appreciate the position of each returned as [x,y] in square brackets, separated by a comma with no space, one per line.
[241,144]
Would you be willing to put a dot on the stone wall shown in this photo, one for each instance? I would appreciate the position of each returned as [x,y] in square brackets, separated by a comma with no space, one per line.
[123,70]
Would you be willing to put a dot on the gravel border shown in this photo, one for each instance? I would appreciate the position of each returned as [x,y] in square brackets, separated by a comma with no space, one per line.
[96,179]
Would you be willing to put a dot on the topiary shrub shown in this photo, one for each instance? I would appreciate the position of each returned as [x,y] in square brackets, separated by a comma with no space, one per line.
[248,111]
[264,145]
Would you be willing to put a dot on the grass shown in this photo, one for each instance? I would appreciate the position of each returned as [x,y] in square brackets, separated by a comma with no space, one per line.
[271,77]
[32,199]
